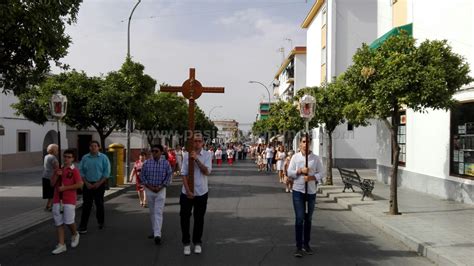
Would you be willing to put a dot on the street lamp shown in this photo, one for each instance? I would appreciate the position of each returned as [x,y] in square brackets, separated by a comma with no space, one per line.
[58,106]
[307,106]
[129,121]
[253,81]
[212,109]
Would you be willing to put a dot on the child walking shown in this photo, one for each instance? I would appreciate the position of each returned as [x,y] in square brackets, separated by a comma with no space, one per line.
[66,181]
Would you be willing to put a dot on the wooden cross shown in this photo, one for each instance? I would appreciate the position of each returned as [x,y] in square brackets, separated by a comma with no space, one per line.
[191,90]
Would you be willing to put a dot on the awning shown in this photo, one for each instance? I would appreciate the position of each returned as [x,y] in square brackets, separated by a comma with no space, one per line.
[393,32]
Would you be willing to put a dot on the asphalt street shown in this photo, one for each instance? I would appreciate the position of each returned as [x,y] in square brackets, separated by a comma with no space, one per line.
[249,221]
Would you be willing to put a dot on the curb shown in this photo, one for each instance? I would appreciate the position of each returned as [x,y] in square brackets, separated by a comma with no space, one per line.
[29,227]
[414,244]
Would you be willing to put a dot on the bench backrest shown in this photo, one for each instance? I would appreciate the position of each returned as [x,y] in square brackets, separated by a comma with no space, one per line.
[350,174]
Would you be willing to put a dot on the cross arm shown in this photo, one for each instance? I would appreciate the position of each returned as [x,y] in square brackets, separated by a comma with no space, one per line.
[171,88]
[213,89]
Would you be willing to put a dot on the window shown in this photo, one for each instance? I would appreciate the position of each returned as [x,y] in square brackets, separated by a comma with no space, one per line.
[402,139]
[23,141]
[323,56]
[462,141]
[350,127]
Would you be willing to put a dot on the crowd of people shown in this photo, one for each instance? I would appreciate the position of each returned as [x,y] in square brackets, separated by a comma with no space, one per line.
[153,173]
[273,158]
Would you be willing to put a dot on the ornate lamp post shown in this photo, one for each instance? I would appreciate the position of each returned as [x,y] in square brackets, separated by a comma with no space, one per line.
[307,106]
[58,106]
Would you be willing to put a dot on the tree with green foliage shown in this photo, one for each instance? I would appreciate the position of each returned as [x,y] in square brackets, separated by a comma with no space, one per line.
[330,102]
[285,119]
[399,75]
[164,113]
[98,102]
[31,36]
[135,86]
[260,127]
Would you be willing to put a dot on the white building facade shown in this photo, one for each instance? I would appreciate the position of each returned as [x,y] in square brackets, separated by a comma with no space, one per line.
[23,143]
[335,29]
[437,147]
[227,131]
[291,75]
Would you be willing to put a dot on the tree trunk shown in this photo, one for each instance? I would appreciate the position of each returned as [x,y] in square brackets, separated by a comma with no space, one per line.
[393,208]
[329,164]
[149,138]
[102,142]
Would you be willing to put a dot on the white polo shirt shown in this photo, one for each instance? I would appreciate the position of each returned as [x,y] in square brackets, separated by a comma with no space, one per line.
[200,180]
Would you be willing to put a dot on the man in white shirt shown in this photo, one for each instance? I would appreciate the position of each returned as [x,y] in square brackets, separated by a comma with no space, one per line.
[269,155]
[313,174]
[196,200]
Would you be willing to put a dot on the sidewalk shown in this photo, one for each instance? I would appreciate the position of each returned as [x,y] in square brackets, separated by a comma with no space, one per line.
[27,221]
[441,230]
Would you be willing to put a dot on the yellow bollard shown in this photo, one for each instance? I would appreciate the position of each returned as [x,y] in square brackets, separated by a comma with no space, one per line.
[119,149]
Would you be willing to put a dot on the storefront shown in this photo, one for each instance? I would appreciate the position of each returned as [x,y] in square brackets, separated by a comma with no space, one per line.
[462,144]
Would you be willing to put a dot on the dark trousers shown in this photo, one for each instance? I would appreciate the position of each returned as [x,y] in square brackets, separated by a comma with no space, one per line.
[199,203]
[302,220]
[89,196]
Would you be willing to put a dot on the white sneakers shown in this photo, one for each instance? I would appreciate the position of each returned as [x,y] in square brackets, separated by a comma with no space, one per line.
[187,250]
[197,249]
[74,243]
[75,240]
[59,249]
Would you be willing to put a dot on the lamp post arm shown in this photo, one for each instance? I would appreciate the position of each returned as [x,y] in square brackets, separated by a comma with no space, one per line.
[269,98]
[128,31]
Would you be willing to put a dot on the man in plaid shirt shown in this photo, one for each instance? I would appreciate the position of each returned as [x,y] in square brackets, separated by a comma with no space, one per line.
[155,176]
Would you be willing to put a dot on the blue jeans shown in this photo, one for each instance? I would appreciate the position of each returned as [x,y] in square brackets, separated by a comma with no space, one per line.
[302,220]
[269,164]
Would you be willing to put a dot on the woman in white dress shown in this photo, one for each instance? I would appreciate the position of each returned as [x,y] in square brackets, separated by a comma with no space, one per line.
[280,157]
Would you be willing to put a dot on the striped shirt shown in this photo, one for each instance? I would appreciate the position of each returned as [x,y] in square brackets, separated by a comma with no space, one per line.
[156,173]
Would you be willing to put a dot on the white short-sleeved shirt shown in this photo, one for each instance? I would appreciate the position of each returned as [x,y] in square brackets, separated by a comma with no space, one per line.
[200,180]
[269,152]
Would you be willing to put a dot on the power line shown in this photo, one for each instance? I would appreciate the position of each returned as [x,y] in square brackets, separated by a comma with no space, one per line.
[216,11]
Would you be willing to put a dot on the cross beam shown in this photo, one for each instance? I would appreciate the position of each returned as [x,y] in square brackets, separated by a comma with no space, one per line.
[191,90]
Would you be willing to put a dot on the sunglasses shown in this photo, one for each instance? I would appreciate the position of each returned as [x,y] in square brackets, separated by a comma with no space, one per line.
[155,151]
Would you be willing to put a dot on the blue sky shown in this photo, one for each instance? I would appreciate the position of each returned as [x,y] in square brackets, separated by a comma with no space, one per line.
[228,42]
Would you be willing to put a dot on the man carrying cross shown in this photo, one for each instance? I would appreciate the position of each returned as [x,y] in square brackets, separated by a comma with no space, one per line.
[197,165]
[202,160]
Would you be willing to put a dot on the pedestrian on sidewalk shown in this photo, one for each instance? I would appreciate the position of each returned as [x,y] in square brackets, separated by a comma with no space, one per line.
[50,165]
[196,200]
[95,170]
[218,155]
[155,177]
[67,181]
[269,157]
[280,157]
[288,181]
[230,155]
[136,171]
[300,174]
